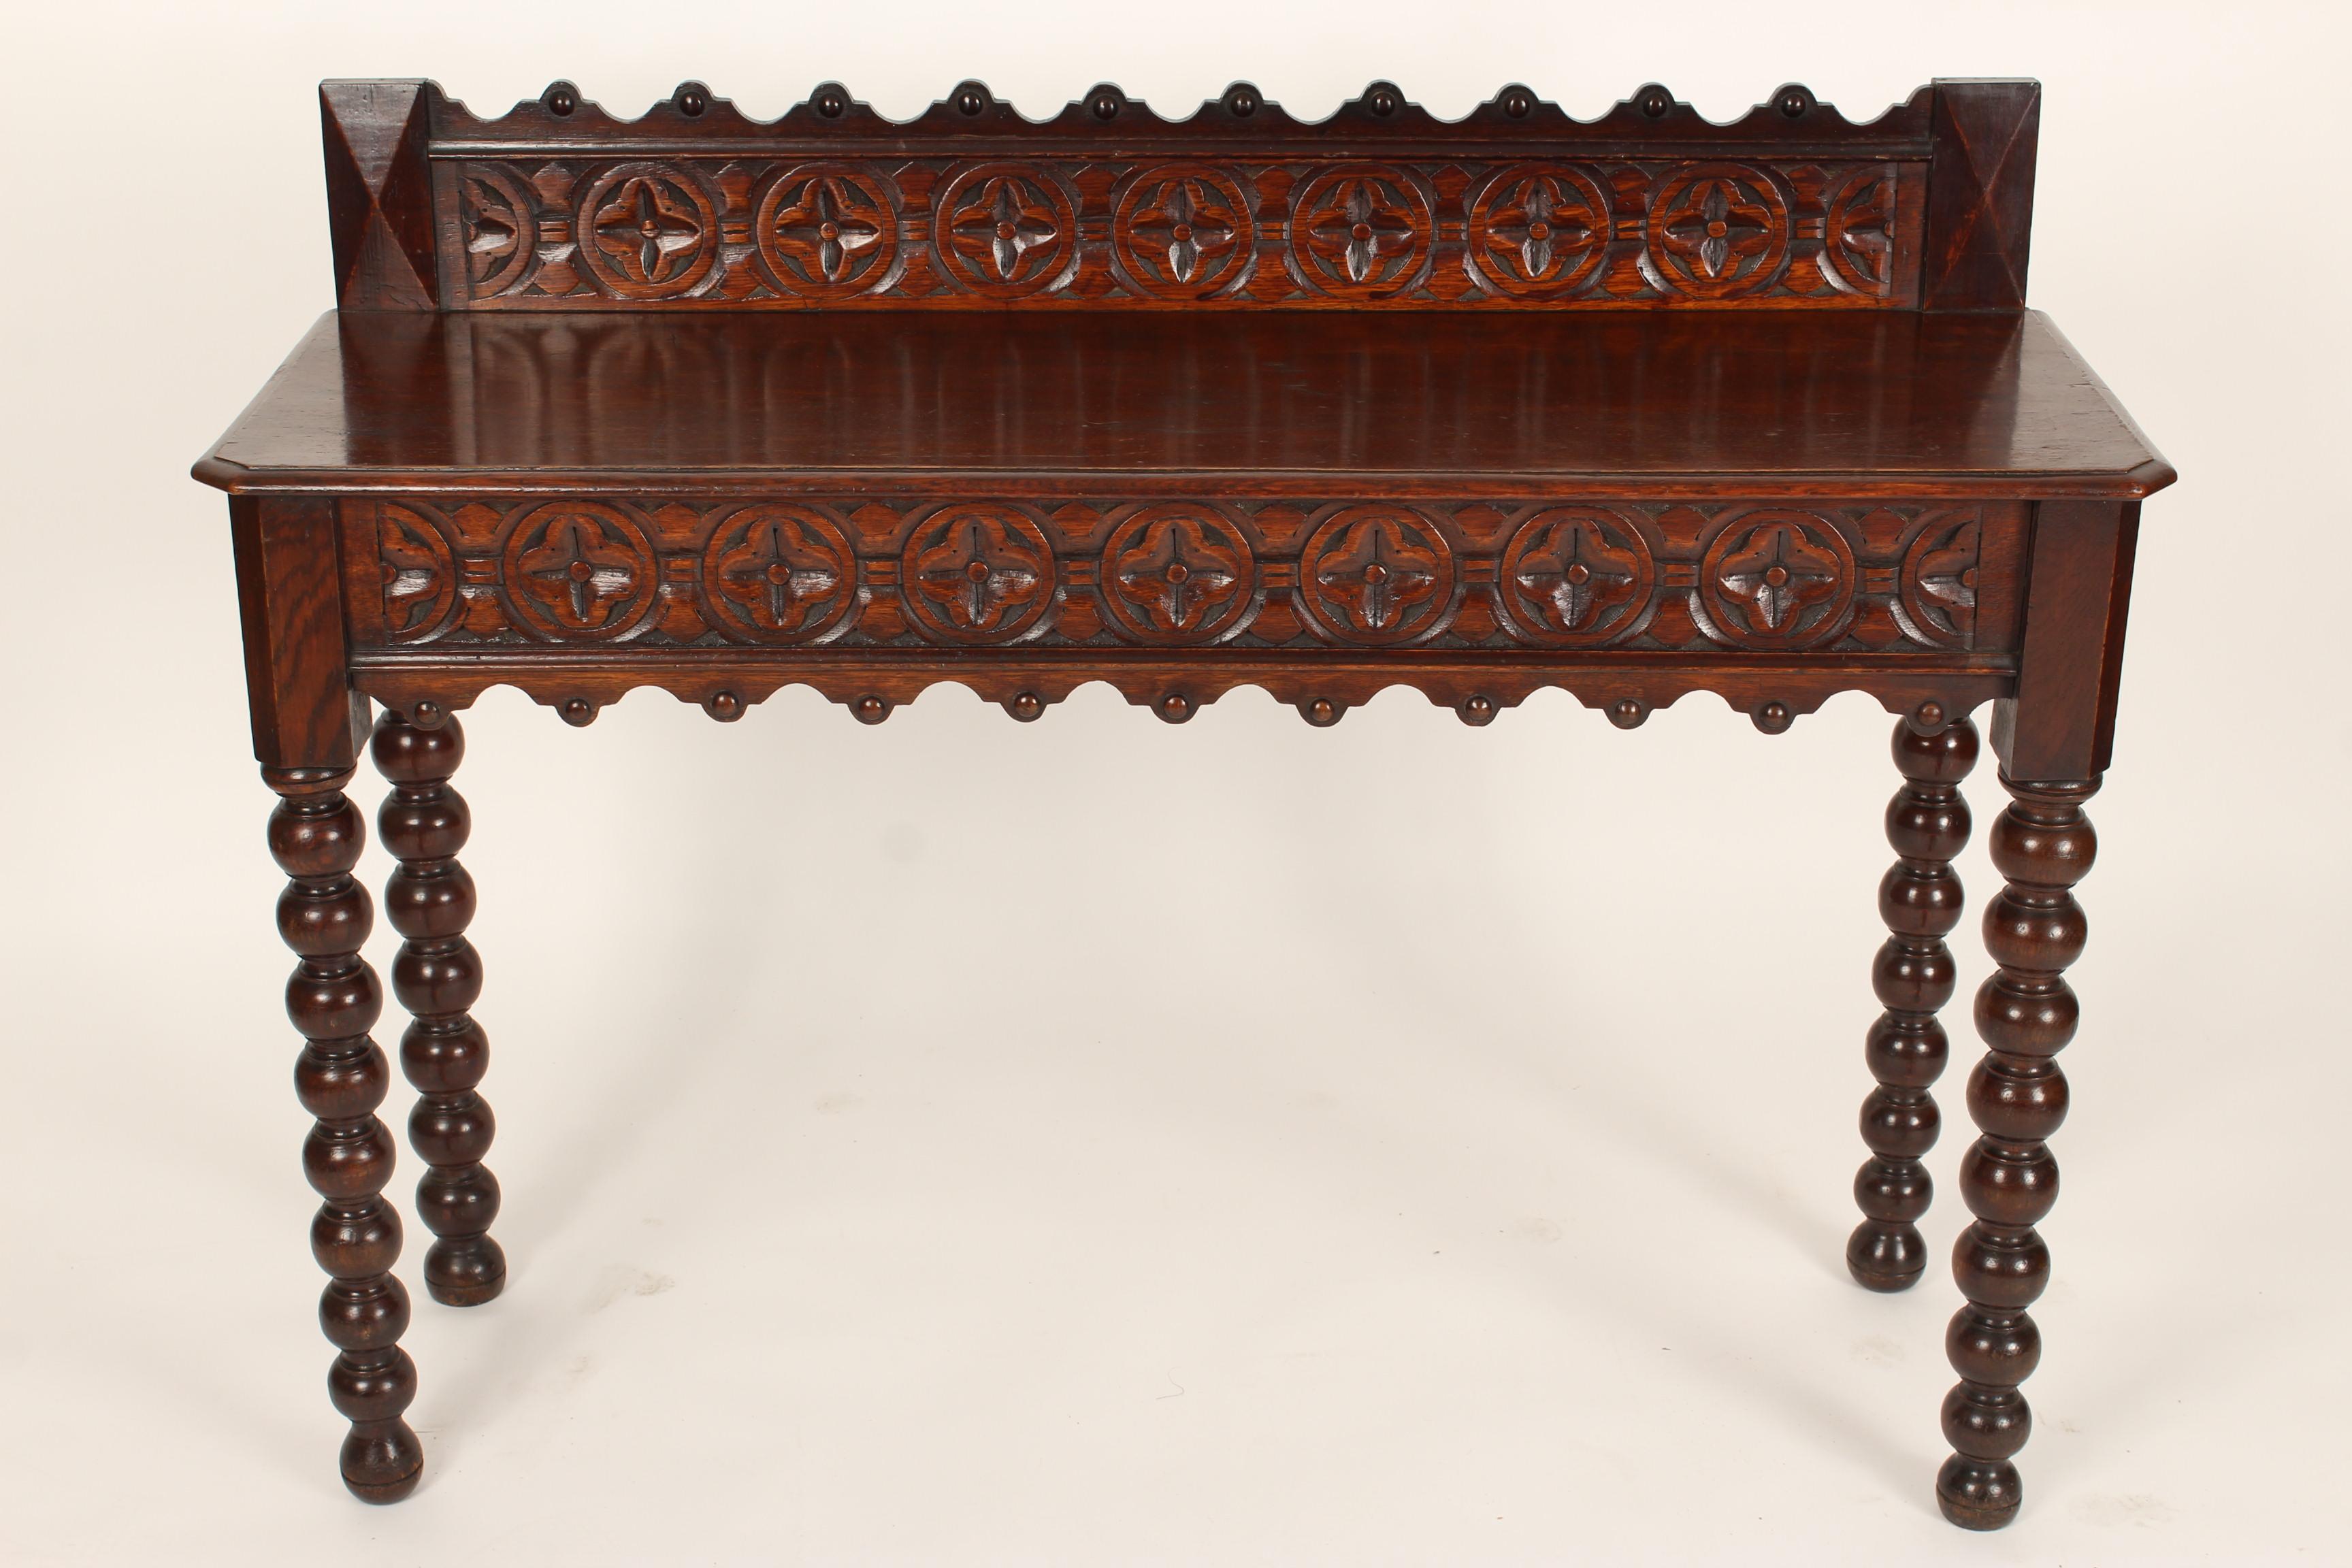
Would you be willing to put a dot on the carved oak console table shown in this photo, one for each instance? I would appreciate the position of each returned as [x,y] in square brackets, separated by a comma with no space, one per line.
[1636,407]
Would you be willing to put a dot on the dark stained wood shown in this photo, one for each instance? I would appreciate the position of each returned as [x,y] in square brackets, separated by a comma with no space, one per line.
[2062,722]
[305,713]
[2026,1013]
[1636,407]
[1560,404]
[558,205]
[438,977]
[1920,899]
[332,997]
[1980,195]
[380,194]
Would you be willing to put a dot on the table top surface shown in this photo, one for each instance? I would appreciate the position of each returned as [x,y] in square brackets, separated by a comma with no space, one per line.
[1592,403]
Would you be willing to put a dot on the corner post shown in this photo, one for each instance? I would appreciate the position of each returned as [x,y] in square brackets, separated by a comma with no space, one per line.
[2054,739]
[1982,140]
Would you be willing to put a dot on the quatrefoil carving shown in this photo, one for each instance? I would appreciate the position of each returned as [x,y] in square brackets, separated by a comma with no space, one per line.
[1377,574]
[1778,579]
[578,569]
[1362,231]
[1184,231]
[647,231]
[1538,229]
[977,573]
[1577,575]
[828,231]
[1005,230]
[1177,573]
[779,574]
[1717,229]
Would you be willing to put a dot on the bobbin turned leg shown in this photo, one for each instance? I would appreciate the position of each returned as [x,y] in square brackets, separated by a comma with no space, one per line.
[2026,1012]
[316,834]
[438,976]
[1919,899]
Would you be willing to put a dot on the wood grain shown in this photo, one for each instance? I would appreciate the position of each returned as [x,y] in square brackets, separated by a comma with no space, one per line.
[1553,407]
[1636,407]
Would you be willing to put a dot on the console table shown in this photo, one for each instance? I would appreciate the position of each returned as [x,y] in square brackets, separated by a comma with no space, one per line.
[1636,407]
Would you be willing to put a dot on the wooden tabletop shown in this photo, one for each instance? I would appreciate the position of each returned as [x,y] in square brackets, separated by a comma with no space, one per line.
[1424,403]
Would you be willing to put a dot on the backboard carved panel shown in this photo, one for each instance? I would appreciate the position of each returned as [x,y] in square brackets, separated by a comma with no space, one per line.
[558,205]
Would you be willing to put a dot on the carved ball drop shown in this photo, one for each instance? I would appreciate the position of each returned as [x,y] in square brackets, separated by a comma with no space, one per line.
[1026,706]
[578,712]
[693,98]
[1654,102]
[427,715]
[561,98]
[970,101]
[1478,710]
[1928,716]
[1105,105]
[1175,708]
[1381,100]
[725,707]
[1517,101]
[1322,712]
[1773,718]
[1627,712]
[1241,101]
[871,710]
[831,102]
[1793,101]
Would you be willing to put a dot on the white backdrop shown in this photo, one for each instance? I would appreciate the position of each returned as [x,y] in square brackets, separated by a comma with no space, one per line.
[967,1141]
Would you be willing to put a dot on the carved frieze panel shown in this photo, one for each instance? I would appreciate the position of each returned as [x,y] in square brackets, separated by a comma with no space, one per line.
[785,232]
[1251,574]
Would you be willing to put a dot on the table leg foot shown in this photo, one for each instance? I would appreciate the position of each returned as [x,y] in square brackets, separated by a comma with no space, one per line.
[382,1460]
[438,976]
[1920,899]
[1977,1494]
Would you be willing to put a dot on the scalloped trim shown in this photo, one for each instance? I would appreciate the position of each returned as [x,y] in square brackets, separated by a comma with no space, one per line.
[1791,115]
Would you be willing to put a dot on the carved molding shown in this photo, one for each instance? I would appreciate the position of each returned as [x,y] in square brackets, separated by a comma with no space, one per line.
[790,232]
[1246,577]
[558,204]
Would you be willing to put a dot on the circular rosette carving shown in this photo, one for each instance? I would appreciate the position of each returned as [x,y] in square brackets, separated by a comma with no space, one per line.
[495,217]
[647,231]
[1938,582]
[1362,231]
[1717,229]
[1182,231]
[1005,230]
[779,574]
[1778,580]
[1576,575]
[578,569]
[419,572]
[1858,231]
[1377,574]
[1177,573]
[980,573]
[1538,229]
[826,231]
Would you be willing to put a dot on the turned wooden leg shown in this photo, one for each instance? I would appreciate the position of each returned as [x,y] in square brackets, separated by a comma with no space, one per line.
[315,834]
[1920,898]
[2044,844]
[438,976]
